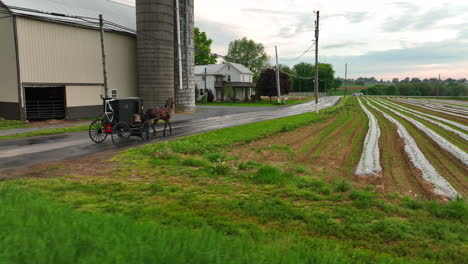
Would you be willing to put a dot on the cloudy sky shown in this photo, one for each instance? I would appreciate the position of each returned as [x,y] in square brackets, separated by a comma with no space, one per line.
[380,38]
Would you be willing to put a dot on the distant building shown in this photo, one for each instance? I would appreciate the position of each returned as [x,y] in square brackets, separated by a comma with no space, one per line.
[216,76]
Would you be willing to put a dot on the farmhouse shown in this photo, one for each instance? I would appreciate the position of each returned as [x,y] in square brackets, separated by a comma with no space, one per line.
[51,63]
[215,77]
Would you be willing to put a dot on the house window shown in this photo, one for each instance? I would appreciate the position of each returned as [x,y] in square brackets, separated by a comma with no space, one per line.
[229,68]
[229,78]
[114,93]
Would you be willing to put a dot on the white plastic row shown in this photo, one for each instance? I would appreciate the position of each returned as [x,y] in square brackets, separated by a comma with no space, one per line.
[452,108]
[449,102]
[453,123]
[423,117]
[428,172]
[432,108]
[442,142]
[369,163]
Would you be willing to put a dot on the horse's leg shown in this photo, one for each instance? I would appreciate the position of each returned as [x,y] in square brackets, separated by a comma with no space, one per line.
[170,127]
[155,122]
[165,125]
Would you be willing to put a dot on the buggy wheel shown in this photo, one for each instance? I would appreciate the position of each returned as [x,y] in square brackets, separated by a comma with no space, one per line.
[145,131]
[97,131]
[121,134]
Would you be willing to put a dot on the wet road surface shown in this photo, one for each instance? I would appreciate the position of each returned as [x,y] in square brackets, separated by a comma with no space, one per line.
[23,153]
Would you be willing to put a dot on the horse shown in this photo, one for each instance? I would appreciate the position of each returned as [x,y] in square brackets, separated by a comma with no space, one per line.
[161,113]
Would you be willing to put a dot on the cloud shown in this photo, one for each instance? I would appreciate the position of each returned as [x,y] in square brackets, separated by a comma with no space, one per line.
[220,33]
[343,45]
[414,18]
[356,17]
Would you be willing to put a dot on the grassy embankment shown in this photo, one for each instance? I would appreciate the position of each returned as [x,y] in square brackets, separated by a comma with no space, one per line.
[45,132]
[9,124]
[213,207]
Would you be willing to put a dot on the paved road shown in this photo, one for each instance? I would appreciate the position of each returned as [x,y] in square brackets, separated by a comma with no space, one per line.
[23,153]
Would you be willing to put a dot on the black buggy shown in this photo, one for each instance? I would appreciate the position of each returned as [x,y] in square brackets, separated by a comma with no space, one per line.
[121,118]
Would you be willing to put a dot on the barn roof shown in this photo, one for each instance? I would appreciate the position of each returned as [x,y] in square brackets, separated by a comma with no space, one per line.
[118,13]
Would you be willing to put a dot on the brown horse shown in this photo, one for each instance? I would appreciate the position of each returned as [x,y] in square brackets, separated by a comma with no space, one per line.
[161,113]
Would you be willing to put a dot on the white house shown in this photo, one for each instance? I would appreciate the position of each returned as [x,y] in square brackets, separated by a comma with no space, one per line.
[215,77]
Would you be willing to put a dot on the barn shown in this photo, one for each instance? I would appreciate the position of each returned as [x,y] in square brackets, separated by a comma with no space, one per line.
[51,61]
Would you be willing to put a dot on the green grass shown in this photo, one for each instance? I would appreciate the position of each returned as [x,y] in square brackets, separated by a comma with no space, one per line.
[255,104]
[9,124]
[34,231]
[192,186]
[46,132]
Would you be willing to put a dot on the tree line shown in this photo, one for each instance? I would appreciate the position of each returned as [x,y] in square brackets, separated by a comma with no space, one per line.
[419,89]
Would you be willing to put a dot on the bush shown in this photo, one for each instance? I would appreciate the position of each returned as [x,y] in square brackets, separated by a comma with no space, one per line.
[216,157]
[219,168]
[194,162]
[342,186]
[268,175]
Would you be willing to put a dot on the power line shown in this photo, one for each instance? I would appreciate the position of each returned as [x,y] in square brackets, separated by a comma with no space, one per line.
[300,56]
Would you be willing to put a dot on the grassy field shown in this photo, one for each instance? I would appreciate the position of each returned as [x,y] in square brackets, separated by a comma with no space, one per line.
[279,191]
[9,124]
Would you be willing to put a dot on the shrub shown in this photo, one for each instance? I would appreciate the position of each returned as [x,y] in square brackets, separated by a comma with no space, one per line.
[342,186]
[194,162]
[219,168]
[216,157]
[268,175]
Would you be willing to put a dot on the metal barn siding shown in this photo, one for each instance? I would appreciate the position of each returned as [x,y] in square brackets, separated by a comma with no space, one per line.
[185,98]
[56,53]
[155,51]
[9,106]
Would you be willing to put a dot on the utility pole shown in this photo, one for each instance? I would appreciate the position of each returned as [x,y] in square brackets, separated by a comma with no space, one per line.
[345,80]
[103,53]
[316,60]
[278,85]
[205,91]
[438,87]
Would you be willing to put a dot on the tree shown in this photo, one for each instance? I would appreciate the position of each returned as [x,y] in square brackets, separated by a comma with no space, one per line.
[304,70]
[395,80]
[248,53]
[203,49]
[266,84]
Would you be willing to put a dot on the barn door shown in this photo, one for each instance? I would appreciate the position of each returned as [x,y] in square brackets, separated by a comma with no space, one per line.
[44,103]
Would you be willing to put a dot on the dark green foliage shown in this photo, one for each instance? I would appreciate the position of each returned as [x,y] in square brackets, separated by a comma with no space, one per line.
[268,175]
[203,49]
[248,53]
[266,83]
[156,188]
[194,162]
[216,157]
[342,186]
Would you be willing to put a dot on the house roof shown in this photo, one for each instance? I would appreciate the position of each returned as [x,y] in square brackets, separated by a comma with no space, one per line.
[213,69]
[112,11]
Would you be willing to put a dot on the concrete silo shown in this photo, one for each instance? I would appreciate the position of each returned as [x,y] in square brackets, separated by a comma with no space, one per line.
[155,51]
[185,94]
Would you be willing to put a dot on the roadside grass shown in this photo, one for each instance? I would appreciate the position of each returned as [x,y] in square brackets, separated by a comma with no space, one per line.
[192,186]
[9,124]
[260,103]
[46,132]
